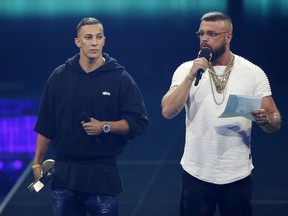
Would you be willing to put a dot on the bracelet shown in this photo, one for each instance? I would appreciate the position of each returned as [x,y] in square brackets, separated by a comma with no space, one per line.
[35,166]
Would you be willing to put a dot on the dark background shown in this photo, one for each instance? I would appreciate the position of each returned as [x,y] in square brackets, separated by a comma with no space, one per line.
[151,47]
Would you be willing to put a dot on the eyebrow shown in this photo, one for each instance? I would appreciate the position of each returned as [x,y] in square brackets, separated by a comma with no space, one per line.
[94,34]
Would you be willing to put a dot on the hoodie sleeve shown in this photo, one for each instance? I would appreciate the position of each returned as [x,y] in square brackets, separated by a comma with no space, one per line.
[45,123]
[133,109]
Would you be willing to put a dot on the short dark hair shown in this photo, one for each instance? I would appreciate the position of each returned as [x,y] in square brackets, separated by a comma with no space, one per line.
[88,21]
[214,16]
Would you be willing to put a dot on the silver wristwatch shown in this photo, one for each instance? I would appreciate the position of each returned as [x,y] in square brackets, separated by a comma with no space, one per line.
[106,127]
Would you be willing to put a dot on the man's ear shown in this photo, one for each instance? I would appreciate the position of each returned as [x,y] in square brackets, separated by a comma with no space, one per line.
[104,40]
[77,42]
[229,36]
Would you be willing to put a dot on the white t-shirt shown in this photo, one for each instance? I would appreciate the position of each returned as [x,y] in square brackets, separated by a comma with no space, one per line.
[217,150]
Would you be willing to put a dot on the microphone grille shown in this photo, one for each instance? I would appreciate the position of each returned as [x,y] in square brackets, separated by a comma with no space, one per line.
[85,117]
[206,53]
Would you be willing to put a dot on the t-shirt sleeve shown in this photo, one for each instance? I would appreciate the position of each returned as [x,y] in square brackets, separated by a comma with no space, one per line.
[262,83]
[180,73]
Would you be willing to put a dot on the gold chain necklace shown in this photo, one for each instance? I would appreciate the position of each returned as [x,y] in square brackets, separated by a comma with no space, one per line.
[220,83]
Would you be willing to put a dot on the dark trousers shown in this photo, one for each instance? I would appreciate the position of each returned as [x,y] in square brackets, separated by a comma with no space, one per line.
[71,203]
[199,198]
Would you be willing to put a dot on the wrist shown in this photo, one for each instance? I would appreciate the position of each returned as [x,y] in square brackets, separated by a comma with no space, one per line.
[191,77]
[36,165]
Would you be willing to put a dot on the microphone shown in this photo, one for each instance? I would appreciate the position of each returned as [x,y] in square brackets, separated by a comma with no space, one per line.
[206,53]
[47,174]
[85,117]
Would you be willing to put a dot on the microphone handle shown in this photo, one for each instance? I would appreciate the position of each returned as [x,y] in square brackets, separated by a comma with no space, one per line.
[198,77]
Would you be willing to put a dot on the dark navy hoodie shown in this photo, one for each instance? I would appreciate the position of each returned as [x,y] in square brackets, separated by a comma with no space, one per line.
[107,94]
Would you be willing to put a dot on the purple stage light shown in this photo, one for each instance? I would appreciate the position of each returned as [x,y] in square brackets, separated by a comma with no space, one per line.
[17,164]
[17,119]
[1,165]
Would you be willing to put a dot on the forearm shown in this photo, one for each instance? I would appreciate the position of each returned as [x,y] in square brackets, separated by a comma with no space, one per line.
[119,127]
[42,146]
[175,99]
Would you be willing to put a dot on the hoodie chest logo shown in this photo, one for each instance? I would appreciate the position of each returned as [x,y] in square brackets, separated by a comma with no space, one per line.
[105,93]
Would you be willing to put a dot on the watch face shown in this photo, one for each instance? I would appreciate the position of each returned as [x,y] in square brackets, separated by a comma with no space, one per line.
[106,128]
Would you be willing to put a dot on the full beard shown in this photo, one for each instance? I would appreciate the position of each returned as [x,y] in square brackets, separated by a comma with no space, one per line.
[218,52]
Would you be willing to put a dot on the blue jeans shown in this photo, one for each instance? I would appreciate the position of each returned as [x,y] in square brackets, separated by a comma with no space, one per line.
[72,203]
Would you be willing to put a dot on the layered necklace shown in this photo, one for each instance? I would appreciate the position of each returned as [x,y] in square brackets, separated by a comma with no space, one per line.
[220,81]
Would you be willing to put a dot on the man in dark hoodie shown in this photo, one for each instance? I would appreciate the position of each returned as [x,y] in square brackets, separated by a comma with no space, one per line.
[89,109]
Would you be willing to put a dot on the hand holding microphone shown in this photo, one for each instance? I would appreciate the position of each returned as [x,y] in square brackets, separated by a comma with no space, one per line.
[90,125]
[206,53]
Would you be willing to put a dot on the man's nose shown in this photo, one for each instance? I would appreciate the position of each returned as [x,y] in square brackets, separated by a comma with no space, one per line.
[94,41]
